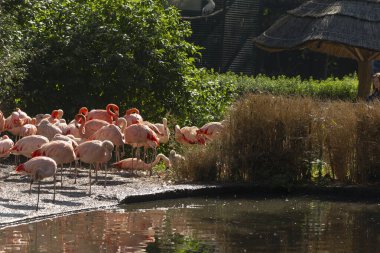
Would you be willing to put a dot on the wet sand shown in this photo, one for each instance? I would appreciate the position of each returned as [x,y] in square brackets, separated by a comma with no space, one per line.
[17,205]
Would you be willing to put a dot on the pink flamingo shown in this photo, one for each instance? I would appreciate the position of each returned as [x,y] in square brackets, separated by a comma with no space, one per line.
[12,121]
[39,117]
[138,164]
[94,152]
[47,129]
[38,168]
[88,128]
[25,146]
[176,160]
[2,122]
[133,116]
[188,135]
[113,134]
[67,138]
[60,151]
[210,130]
[83,110]
[6,144]
[110,114]
[138,135]
[163,128]
[28,129]
[73,129]
[53,117]
[23,117]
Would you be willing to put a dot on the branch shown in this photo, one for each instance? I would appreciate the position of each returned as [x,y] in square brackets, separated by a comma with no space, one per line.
[205,16]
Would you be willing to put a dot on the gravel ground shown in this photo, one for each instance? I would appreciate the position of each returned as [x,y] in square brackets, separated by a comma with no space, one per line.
[17,205]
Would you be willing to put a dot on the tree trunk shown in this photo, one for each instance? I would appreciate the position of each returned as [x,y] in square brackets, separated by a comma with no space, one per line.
[364,75]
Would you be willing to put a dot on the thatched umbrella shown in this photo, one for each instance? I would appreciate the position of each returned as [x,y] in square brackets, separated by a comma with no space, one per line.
[344,28]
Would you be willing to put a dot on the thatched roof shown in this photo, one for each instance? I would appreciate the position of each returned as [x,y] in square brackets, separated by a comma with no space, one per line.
[342,28]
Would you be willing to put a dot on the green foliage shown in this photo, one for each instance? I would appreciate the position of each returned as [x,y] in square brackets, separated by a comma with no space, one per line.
[12,60]
[132,53]
[331,88]
[212,95]
[215,92]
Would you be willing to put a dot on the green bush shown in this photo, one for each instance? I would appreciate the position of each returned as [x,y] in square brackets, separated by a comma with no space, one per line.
[12,60]
[90,53]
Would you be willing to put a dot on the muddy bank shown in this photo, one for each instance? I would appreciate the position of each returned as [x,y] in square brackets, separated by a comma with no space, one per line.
[17,206]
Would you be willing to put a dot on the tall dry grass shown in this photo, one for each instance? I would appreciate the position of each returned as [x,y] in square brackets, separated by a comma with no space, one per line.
[277,139]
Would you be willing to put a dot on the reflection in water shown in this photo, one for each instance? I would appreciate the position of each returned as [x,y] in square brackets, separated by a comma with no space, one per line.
[207,225]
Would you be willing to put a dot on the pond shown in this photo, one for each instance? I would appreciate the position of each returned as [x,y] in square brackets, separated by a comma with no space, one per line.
[228,224]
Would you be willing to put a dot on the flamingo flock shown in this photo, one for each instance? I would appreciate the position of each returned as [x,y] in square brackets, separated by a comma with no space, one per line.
[91,138]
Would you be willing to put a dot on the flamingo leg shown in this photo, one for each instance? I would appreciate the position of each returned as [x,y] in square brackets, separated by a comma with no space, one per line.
[30,187]
[55,180]
[96,172]
[61,175]
[76,172]
[105,177]
[89,178]
[38,194]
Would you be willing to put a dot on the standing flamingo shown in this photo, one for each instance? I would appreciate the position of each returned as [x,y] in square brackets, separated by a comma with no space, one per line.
[53,117]
[110,114]
[188,135]
[210,130]
[133,116]
[2,121]
[25,146]
[60,151]
[94,152]
[113,134]
[163,128]
[28,129]
[45,128]
[38,168]
[12,121]
[139,135]
[88,128]
[6,144]
[176,160]
[138,164]
[67,138]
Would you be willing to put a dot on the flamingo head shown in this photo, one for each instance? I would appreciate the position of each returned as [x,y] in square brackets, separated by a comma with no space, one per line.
[108,145]
[80,118]
[132,110]
[20,168]
[54,114]
[118,165]
[114,108]
[60,113]
[83,111]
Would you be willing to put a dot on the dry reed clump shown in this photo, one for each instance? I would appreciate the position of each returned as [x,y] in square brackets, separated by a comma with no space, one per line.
[268,138]
[200,164]
[277,140]
[335,126]
[368,143]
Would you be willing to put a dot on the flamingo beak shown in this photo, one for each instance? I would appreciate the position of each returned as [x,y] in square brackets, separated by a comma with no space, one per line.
[117,165]
[20,168]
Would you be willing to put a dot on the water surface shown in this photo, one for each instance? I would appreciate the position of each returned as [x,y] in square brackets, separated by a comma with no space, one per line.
[294,224]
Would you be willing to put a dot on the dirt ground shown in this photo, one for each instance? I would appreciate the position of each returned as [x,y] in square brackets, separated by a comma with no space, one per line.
[17,205]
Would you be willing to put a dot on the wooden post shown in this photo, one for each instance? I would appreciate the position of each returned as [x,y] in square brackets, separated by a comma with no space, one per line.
[365,81]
